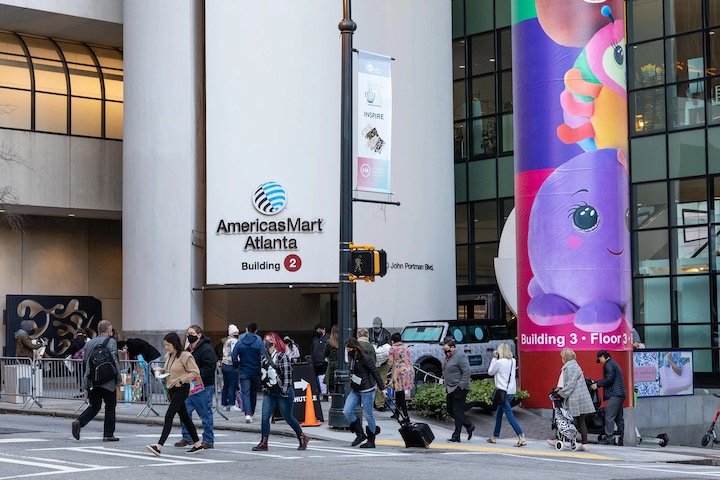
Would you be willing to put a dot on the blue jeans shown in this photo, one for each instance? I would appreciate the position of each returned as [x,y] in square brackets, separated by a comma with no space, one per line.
[202,402]
[230,382]
[285,405]
[507,410]
[367,400]
[248,393]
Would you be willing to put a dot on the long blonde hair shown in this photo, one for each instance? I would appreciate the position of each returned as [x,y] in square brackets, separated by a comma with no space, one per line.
[504,351]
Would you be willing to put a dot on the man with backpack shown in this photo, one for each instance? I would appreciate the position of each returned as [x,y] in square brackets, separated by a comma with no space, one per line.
[102,375]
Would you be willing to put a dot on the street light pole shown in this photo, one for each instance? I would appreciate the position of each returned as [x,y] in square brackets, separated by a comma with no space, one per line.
[342,376]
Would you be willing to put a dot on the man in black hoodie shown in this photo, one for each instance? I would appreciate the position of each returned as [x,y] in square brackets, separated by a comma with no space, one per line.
[204,355]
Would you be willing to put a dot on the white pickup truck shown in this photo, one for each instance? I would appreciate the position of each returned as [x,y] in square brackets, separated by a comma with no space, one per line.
[477,338]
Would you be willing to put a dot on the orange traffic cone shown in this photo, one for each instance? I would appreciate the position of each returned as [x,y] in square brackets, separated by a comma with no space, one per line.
[310,418]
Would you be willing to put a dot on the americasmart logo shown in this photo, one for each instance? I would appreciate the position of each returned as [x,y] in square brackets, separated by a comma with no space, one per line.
[269,198]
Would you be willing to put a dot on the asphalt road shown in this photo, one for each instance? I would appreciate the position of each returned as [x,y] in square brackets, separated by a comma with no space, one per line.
[39,446]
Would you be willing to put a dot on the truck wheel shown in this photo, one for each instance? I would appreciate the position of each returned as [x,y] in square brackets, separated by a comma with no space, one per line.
[429,372]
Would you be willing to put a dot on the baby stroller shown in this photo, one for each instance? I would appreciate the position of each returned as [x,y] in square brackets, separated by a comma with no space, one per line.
[563,424]
[595,422]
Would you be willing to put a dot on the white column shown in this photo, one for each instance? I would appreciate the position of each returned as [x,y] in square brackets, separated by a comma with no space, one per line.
[163,195]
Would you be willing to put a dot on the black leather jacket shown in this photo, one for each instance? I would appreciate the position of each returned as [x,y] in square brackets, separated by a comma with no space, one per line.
[363,370]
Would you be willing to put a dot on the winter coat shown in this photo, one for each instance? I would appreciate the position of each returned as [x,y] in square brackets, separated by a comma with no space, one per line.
[402,372]
[138,346]
[206,360]
[503,371]
[317,350]
[246,355]
[331,354]
[228,346]
[24,346]
[364,371]
[613,383]
[574,390]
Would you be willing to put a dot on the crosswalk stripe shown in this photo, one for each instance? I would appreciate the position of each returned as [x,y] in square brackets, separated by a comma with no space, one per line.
[164,458]
[22,440]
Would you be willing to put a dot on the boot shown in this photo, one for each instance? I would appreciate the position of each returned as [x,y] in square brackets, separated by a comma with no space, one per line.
[371,437]
[356,428]
[262,446]
[303,439]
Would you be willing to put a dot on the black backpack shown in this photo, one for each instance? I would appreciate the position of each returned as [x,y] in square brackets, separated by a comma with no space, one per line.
[101,364]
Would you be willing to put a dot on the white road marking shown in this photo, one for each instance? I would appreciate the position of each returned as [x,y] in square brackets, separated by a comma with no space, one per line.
[22,440]
[164,458]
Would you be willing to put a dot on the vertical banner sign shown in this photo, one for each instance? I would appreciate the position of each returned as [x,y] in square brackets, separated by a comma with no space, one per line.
[374,122]
[571,175]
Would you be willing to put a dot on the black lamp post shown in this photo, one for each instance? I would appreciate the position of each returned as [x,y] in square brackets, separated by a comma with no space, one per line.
[342,376]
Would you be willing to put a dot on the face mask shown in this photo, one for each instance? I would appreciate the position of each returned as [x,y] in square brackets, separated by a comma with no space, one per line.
[377,329]
[192,338]
[320,333]
[269,344]
[448,352]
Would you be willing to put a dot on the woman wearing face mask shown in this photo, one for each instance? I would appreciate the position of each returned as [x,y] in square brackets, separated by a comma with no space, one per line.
[364,379]
[181,367]
[278,391]
[229,374]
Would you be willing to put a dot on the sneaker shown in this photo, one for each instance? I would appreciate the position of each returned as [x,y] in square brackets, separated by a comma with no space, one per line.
[583,448]
[195,450]
[226,408]
[235,408]
[551,442]
[207,446]
[183,443]
[153,449]
[248,418]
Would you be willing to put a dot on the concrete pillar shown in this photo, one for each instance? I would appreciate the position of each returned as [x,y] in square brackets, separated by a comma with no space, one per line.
[163,163]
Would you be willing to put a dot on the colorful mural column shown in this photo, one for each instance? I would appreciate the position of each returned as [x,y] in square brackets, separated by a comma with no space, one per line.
[571,187]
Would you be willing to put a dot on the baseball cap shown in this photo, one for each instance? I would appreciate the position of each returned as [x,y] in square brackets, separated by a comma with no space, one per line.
[602,353]
[377,322]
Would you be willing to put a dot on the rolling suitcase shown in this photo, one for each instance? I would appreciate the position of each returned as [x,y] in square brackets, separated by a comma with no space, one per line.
[414,434]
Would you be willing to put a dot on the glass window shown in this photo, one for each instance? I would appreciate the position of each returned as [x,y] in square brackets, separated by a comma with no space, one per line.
[505,48]
[646,65]
[459,100]
[646,20]
[458,52]
[653,300]
[714,52]
[682,16]
[502,13]
[647,158]
[688,196]
[113,84]
[484,263]
[507,91]
[507,205]
[702,358]
[506,176]
[690,245]
[482,49]
[85,117]
[507,133]
[686,105]
[653,252]
[9,43]
[484,136]
[485,221]
[14,109]
[483,95]
[650,200]
[460,183]
[84,81]
[479,16]
[51,112]
[461,264]
[108,57]
[461,224]
[714,152]
[692,297]
[684,57]
[41,48]
[713,101]
[114,120]
[49,76]
[686,152]
[14,71]
[648,111]
[460,141]
[76,53]
[658,337]
[481,183]
[713,13]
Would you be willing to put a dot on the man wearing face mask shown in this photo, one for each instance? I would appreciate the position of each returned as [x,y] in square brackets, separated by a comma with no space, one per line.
[246,356]
[380,338]
[204,354]
[456,372]
[317,350]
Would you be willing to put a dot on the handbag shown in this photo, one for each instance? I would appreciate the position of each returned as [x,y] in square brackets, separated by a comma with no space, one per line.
[196,386]
[500,395]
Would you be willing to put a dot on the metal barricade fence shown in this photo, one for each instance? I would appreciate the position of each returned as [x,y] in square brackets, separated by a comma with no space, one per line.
[16,380]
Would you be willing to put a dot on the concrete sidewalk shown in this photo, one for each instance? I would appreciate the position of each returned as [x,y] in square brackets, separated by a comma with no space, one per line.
[536,429]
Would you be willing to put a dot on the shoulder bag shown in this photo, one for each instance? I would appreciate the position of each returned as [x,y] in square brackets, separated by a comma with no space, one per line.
[499,395]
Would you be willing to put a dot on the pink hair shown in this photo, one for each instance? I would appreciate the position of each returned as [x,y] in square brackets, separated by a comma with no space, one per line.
[277,340]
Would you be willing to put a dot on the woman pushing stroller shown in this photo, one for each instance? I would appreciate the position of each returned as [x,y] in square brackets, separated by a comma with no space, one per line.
[573,389]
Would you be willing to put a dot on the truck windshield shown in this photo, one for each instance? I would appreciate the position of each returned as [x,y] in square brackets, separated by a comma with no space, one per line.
[422,333]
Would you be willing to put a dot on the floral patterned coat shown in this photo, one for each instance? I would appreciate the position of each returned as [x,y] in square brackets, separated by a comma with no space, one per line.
[402,372]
